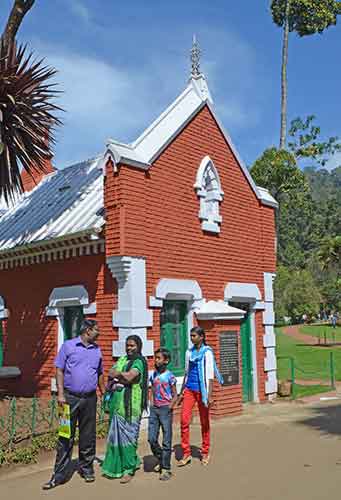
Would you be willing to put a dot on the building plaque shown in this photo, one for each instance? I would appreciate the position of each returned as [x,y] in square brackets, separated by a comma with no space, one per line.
[229,357]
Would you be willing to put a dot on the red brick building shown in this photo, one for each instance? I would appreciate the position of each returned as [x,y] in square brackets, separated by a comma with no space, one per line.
[149,238]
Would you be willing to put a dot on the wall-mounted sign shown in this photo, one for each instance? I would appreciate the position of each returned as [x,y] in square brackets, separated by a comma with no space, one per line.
[229,357]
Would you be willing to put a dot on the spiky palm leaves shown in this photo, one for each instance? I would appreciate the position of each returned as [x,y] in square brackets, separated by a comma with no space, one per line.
[27,119]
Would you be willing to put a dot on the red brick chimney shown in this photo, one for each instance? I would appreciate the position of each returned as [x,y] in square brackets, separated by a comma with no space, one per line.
[31,181]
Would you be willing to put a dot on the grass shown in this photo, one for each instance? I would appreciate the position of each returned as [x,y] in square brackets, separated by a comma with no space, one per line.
[321,330]
[310,390]
[311,363]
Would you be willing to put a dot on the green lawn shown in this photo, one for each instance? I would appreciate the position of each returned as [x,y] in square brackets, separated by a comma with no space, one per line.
[310,390]
[321,330]
[310,362]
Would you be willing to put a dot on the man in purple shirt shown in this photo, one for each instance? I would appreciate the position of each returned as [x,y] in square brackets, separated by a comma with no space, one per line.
[79,372]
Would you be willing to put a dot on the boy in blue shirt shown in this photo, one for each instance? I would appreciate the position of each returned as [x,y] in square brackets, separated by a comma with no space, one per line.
[164,397]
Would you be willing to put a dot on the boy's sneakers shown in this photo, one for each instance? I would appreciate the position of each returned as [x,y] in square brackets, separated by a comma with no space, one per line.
[157,468]
[166,475]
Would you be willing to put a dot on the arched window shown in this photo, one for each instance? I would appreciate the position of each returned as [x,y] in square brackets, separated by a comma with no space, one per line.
[208,188]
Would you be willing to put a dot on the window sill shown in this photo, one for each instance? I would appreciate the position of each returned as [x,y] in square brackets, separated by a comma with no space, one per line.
[7,372]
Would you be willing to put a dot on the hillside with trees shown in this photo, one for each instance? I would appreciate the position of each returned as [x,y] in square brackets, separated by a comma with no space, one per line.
[308,221]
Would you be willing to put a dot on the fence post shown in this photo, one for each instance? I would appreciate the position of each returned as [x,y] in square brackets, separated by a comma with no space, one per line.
[292,369]
[12,416]
[332,370]
[53,411]
[34,415]
[102,414]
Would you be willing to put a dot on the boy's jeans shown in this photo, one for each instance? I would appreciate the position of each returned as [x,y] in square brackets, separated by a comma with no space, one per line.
[161,416]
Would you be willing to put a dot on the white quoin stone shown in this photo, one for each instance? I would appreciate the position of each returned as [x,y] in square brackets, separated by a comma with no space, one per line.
[132,316]
[269,339]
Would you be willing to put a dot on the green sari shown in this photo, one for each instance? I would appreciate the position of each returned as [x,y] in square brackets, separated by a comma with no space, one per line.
[121,456]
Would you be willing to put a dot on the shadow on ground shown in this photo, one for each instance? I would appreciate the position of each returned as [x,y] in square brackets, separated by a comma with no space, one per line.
[326,419]
[149,461]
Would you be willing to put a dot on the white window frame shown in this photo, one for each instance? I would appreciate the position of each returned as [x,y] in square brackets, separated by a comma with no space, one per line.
[61,297]
[3,310]
[177,289]
[209,212]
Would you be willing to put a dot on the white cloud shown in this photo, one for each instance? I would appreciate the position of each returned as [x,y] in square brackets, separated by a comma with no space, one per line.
[104,100]
[80,10]
[334,162]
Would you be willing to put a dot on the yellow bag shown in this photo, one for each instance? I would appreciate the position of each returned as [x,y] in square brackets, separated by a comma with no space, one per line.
[64,429]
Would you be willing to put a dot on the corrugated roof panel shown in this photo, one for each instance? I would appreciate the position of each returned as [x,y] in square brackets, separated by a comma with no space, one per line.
[66,202]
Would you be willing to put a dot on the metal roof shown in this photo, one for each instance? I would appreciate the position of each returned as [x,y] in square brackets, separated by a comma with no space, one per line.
[66,202]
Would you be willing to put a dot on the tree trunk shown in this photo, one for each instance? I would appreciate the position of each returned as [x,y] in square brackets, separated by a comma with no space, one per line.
[17,14]
[284,96]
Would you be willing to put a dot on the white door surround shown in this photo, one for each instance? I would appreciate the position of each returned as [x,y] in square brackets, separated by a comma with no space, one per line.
[248,293]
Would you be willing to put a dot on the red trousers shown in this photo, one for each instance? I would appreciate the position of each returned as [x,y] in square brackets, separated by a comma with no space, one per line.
[190,399]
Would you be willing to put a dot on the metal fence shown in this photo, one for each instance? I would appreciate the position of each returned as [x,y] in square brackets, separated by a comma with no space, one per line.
[307,380]
[22,419]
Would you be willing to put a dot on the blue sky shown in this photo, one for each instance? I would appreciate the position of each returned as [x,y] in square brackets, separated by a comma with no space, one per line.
[121,63]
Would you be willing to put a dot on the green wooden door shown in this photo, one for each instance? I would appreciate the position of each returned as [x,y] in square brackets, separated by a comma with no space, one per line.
[1,345]
[73,317]
[174,334]
[245,339]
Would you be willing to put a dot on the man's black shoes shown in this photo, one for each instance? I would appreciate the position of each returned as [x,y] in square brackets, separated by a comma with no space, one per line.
[50,485]
[88,478]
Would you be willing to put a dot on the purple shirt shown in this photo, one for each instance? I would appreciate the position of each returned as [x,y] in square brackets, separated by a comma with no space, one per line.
[82,365]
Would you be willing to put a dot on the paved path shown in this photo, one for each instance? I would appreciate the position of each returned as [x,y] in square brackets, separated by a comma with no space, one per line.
[284,451]
[294,332]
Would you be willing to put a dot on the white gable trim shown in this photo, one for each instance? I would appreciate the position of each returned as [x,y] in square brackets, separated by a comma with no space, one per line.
[148,147]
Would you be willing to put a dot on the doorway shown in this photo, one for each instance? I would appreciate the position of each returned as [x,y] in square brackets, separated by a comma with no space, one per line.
[174,333]
[246,352]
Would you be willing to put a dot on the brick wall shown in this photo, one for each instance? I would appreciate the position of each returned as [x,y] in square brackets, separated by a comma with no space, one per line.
[160,213]
[31,181]
[31,342]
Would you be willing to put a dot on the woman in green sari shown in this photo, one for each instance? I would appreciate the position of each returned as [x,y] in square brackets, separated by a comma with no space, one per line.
[127,401]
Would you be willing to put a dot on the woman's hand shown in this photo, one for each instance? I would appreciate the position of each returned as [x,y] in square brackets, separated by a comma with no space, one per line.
[113,373]
[210,401]
[179,400]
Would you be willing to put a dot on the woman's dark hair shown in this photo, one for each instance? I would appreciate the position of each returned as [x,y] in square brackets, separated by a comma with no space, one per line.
[86,324]
[200,331]
[165,353]
[143,380]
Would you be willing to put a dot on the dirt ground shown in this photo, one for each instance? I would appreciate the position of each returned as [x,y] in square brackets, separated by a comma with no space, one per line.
[282,451]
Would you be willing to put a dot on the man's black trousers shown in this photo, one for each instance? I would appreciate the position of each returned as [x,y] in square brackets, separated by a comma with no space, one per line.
[83,411]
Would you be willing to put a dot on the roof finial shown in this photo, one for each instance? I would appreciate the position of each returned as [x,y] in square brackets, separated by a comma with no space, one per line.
[195,58]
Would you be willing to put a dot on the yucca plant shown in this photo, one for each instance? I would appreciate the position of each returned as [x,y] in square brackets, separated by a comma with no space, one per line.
[27,116]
